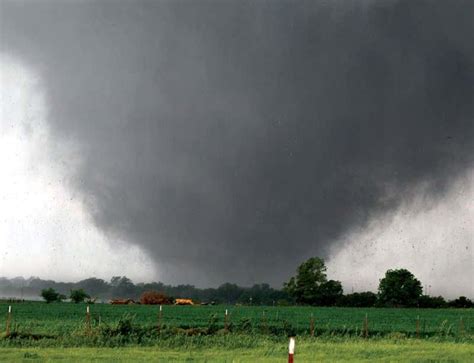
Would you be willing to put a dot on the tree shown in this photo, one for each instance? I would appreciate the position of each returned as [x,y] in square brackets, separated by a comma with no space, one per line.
[399,288]
[365,299]
[51,295]
[122,286]
[432,302]
[304,287]
[78,296]
[329,293]
[461,302]
[228,293]
[262,294]
[154,298]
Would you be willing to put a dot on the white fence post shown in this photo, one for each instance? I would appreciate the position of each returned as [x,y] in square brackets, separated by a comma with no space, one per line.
[9,320]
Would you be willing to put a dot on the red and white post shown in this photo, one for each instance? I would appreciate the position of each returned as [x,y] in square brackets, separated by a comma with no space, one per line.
[291,350]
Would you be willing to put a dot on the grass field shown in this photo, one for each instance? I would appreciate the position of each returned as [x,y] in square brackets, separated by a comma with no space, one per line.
[267,351]
[58,332]
[63,318]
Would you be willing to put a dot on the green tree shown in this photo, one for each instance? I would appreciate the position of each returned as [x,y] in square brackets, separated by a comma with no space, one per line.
[461,302]
[51,295]
[399,288]
[78,296]
[304,287]
[431,302]
[359,299]
[329,293]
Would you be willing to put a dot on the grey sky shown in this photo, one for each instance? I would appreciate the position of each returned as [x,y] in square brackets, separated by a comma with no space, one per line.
[231,139]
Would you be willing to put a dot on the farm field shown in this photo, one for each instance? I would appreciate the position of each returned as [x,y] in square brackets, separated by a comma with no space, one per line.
[59,332]
[308,350]
[58,319]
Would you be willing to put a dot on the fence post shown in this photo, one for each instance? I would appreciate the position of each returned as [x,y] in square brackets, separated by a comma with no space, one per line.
[226,321]
[311,325]
[291,350]
[88,318]
[366,326]
[160,314]
[9,318]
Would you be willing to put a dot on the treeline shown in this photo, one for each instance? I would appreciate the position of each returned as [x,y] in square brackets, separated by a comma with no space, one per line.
[260,294]
[398,288]
[310,286]
[123,287]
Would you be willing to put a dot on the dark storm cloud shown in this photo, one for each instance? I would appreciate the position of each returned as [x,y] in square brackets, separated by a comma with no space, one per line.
[233,139]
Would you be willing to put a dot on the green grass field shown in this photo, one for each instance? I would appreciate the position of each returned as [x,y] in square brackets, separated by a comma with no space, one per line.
[58,332]
[62,318]
[267,351]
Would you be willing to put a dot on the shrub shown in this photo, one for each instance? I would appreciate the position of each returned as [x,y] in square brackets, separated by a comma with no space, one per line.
[51,295]
[154,298]
[78,296]
[212,326]
[245,325]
